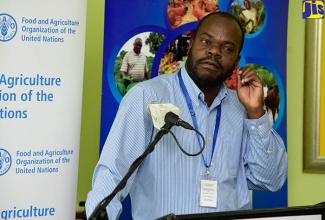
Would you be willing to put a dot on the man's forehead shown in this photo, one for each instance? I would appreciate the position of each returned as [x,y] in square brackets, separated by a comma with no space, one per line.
[215,19]
[216,22]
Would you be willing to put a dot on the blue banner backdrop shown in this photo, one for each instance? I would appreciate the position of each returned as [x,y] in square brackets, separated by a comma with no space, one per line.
[172,22]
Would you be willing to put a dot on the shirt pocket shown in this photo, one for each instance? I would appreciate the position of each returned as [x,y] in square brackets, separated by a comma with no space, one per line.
[230,154]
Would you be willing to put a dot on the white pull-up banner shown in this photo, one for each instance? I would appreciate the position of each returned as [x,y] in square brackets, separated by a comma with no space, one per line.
[41,76]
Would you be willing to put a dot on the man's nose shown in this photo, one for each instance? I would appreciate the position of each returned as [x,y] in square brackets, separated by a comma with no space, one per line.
[215,50]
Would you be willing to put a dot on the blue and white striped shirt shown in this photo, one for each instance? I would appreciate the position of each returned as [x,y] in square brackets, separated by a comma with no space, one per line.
[248,154]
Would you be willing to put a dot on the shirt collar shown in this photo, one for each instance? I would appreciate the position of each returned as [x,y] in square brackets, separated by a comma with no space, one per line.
[197,95]
[135,54]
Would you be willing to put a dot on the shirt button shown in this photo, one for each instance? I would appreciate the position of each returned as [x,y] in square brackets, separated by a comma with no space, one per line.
[209,138]
[268,151]
[260,126]
[253,127]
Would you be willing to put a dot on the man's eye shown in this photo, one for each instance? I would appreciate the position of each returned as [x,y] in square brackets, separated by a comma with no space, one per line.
[229,49]
[205,41]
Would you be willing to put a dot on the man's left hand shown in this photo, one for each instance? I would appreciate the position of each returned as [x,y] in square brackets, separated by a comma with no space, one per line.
[250,92]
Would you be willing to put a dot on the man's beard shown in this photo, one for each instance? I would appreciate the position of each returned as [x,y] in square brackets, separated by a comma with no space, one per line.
[206,81]
[137,51]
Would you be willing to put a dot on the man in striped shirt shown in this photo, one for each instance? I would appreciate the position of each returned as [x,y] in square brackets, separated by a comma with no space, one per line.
[134,64]
[242,152]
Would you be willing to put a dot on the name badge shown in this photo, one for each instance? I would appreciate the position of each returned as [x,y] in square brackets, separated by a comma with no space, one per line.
[208,195]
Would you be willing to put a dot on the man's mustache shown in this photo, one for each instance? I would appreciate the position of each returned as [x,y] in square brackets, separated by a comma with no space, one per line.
[210,59]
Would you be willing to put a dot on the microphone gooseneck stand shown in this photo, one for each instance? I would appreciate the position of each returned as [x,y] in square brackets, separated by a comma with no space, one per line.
[100,208]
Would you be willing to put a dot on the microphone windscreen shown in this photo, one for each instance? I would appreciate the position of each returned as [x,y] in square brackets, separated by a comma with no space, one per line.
[158,112]
[148,107]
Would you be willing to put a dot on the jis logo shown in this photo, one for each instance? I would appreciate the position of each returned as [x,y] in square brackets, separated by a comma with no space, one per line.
[8,27]
[312,9]
[5,161]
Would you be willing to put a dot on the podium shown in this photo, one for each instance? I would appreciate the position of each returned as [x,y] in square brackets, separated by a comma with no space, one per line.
[314,212]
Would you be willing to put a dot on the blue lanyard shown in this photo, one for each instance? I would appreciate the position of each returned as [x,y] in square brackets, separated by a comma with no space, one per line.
[190,107]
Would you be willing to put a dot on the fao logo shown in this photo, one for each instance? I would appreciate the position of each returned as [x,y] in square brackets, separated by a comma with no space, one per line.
[312,9]
[5,161]
[8,27]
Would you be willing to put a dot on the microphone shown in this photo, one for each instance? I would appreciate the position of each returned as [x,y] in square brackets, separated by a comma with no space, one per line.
[172,118]
[158,111]
[165,113]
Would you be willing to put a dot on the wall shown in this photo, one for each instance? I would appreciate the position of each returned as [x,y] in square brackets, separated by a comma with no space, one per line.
[89,142]
[303,189]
